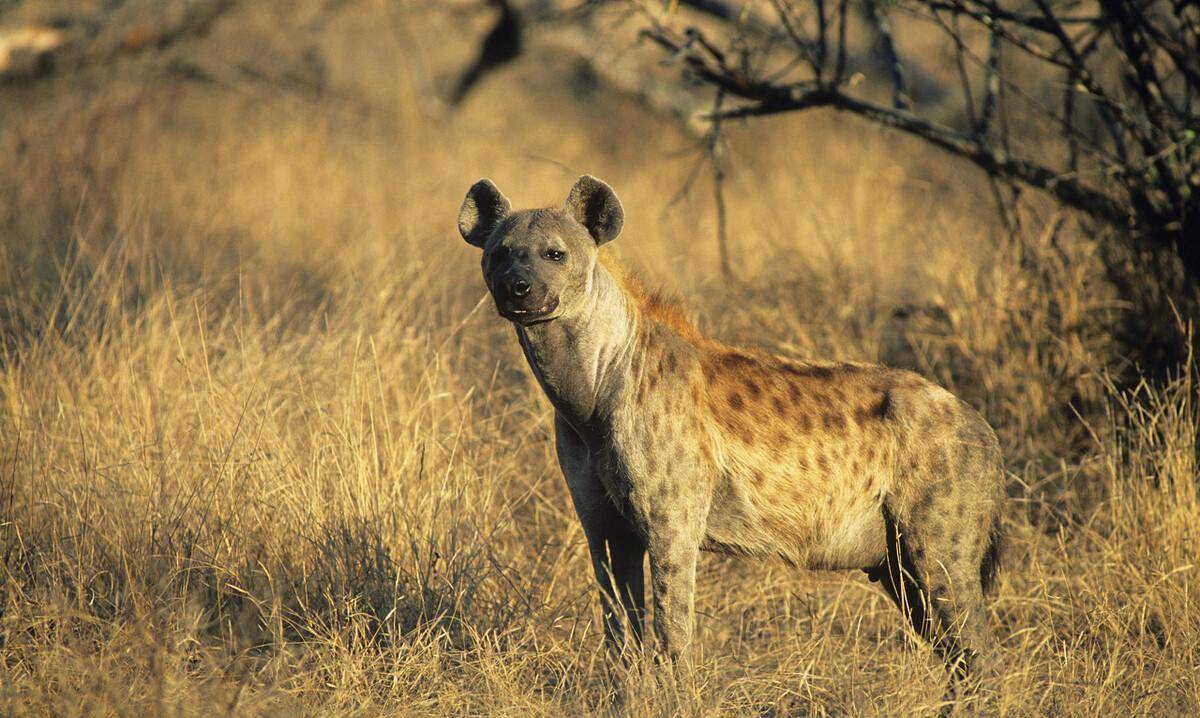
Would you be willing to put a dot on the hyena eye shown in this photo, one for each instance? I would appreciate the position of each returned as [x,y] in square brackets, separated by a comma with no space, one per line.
[554,255]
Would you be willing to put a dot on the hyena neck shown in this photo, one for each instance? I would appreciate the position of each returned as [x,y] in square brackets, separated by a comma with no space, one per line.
[581,359]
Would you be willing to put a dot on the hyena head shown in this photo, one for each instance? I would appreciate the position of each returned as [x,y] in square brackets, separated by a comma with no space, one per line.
[538,263]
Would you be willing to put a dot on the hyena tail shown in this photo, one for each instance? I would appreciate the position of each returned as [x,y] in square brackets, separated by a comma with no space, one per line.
[991,556]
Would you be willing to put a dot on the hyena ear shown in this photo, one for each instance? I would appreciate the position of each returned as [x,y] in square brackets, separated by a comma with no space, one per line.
[594,205]
[482,209]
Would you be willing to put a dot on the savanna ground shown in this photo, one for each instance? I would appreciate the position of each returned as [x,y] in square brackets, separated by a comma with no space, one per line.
[266,449]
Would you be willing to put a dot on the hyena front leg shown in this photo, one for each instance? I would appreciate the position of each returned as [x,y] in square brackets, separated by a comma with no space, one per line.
[618,561]
[673,578]
[617,553]
[676,527]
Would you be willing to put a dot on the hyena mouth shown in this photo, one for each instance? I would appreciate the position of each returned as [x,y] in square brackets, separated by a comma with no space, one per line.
[530,316]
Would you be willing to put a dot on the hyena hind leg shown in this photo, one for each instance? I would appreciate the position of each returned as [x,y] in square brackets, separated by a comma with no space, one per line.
[898,576]
[936,578]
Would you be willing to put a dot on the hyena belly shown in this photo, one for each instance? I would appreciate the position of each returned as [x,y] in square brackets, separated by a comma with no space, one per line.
[817,505]
[806,456]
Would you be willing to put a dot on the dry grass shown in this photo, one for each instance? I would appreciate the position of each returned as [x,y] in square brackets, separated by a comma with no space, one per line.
[263,450]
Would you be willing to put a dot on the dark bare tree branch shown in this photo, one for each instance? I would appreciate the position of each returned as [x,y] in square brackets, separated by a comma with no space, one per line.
[1127,151]
[991,86]
[887,48]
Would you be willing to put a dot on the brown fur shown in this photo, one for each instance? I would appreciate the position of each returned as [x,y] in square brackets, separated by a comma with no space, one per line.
[654,304]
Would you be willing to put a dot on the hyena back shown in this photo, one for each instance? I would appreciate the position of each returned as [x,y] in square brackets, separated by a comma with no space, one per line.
[672,443]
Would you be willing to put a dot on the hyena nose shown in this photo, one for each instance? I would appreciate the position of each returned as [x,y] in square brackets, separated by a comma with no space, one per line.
[517,286]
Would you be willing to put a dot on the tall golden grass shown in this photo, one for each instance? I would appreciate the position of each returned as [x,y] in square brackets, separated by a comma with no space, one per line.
[266,448]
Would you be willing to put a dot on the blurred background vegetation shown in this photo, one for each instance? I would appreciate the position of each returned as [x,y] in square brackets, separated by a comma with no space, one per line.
[265,447]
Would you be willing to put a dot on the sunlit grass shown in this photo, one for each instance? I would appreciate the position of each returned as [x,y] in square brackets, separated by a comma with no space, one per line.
[265,449]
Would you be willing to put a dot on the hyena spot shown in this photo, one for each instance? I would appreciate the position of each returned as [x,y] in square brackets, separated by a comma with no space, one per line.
[884,405]
[779,439]
[940,465]
[734,362]
[759,478]
[817,372]
[753,389]
[778,403]
[735,401]
[872,413]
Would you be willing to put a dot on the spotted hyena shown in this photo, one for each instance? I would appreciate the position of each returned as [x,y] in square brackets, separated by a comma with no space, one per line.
[672,442]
